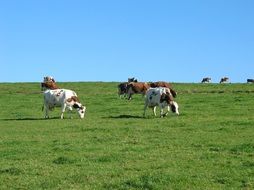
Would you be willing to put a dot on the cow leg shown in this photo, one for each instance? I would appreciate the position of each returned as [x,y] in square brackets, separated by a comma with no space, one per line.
[168,110]
[63,110]
[129,98]
[144,114]
[69,112]
[46,111]
[165,114]
[161,112]
[154,110]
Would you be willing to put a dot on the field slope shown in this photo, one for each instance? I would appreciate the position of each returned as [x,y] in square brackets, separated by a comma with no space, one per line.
[209,146]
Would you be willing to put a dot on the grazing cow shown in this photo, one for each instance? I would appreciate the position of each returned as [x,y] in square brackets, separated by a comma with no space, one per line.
[224,80]
[137,88]
[206,80]
[250,80]
[122,89]
[160,97]
[132,80]
[62,98]
[164,84]
[48,85]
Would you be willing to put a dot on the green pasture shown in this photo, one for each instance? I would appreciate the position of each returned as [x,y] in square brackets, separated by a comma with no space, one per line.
[210,145]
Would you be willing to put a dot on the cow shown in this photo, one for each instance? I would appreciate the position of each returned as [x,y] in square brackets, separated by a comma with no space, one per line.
[48,79]
[49,85]
[206,80]
[62,98]
[137,88]
[122,89]
[163,84]
[132,80]
[224,80]
[160,97]
[250,80]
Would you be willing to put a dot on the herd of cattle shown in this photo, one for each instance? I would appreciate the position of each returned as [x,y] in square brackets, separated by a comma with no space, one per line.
[222,80]
[159,94]
[156,94]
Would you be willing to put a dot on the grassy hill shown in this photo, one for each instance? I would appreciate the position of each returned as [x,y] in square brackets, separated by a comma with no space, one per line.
[209,146]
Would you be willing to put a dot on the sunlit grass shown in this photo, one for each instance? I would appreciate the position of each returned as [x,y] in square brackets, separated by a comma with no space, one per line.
[209,146]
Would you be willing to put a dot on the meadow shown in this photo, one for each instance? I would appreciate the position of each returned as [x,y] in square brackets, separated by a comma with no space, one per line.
[210,145]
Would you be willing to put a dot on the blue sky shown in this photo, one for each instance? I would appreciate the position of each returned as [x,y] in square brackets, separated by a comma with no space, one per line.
[111,40]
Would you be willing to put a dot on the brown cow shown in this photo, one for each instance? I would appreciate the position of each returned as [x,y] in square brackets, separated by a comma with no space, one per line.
[163,84]
[137,88]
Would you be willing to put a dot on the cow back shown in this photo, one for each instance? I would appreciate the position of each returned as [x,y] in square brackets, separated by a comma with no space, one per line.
[165,85]
[160,84]
[138,87]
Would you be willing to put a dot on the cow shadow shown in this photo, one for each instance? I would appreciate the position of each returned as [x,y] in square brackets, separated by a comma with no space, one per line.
[29,119]
[125,117]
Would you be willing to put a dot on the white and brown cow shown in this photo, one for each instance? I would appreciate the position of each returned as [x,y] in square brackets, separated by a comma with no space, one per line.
[137,88]
[62,98]
[160,97]
[206,80]
[224,80]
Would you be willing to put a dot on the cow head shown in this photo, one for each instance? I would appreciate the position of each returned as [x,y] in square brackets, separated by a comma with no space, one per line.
[74,102]
[132,80]
[174,107]
[80,108]
[48,79]
[169,100]
[166,97]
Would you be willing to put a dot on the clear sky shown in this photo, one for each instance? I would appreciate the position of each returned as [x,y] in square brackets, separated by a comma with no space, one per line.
[111,40]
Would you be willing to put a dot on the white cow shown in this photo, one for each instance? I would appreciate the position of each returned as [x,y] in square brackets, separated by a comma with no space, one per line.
[160,97]
[62,98]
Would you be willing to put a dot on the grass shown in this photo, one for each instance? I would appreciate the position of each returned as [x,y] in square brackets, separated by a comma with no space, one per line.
[209,146]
